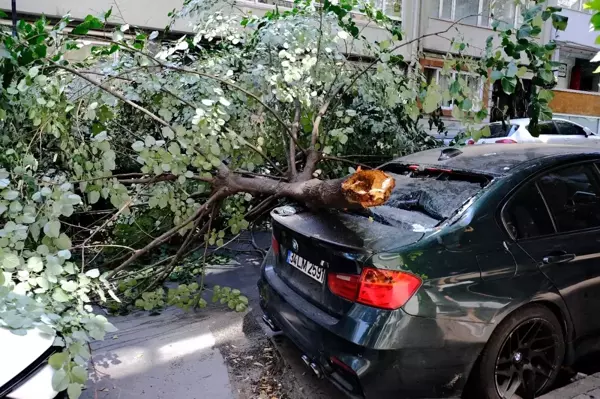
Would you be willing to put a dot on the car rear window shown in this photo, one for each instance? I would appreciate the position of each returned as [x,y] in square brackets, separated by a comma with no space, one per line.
[427,197]
[501,130]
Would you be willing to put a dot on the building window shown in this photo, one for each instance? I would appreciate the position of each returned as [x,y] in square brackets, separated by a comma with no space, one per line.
[473,82]
[477,12]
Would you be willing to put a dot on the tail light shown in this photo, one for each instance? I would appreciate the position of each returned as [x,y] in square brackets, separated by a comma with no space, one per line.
[506,141]
[385,289]
[275,245]
[344,285]
[470,142]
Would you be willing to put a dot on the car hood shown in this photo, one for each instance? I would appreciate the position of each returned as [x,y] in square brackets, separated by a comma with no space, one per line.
[18,351]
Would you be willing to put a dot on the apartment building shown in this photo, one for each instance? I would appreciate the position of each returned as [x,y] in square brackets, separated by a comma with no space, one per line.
[577,94]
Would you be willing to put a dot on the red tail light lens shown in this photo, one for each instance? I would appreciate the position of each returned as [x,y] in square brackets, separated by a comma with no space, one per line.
[385,289]
[506,141]
[470,142]
[275,245]
[344,285]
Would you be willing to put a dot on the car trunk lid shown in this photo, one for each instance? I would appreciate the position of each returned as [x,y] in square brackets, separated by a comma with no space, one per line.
[313,245]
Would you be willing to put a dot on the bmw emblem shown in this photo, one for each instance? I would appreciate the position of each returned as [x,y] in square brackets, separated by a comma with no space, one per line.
[295,245]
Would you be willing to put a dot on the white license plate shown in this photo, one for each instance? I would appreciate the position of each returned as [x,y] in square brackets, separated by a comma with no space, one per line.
[311,270]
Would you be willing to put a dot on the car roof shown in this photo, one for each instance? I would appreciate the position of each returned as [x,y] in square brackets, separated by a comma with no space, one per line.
[525,121]
[494,159]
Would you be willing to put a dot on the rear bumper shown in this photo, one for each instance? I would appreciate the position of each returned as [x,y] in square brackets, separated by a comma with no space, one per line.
[386,352]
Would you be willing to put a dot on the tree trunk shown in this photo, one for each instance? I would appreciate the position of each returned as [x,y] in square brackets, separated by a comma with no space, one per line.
[364,188]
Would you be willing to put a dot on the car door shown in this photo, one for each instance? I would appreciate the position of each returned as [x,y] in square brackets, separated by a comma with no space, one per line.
[571,133]
[564,239]
[548,133]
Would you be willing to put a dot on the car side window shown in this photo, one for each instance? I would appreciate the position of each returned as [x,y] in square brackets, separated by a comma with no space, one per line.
[569,129]
[526,215]
[573,197]
[548,128]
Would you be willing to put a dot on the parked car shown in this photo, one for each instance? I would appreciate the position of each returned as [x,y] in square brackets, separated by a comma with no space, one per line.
[24,369]
[481,272]
[556,131]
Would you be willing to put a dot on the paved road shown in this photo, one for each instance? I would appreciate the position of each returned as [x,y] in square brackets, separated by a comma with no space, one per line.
[213,353]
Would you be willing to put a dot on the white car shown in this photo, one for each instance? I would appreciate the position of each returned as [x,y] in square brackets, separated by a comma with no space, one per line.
[24,369]
[556,131]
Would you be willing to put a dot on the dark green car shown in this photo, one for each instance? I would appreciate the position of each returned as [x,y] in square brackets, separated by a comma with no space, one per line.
[482,271]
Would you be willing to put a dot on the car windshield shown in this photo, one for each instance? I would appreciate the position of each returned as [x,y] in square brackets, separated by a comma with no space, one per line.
[501,130]
[426,197]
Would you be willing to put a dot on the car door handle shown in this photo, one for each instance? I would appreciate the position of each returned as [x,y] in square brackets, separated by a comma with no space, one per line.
[562,258]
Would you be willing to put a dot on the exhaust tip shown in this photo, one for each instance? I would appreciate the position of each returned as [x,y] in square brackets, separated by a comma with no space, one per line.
[270,323]
[313,366]
[306,360]
[317,370]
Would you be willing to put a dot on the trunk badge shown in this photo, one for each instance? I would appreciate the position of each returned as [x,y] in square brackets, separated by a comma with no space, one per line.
[295,245]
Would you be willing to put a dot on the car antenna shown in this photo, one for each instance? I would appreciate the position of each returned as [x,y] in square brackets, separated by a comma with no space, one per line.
[448,153]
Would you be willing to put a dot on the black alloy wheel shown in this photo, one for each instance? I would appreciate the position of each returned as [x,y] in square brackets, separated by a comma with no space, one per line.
[526,362]
[523,356]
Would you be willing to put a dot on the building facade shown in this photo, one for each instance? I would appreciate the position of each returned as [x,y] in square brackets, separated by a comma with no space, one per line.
[577,94]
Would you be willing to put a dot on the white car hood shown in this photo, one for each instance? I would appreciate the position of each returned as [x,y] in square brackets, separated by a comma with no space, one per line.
[18,352]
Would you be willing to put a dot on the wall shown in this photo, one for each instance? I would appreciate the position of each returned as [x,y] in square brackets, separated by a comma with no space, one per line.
[143,13]
[578,30]
[575,102]
[475,36]
[152,14]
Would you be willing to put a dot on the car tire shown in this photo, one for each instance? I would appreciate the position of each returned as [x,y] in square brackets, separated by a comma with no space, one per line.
[502,364]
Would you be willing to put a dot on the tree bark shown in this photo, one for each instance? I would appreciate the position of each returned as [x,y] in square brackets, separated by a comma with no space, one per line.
[361,189]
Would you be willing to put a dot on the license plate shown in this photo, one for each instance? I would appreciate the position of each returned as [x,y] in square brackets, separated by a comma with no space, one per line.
[311,270]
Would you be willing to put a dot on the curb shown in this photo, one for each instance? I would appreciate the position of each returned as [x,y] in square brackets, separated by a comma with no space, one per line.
[586,388]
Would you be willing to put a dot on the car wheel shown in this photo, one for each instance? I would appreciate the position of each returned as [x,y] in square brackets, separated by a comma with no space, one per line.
[524,355]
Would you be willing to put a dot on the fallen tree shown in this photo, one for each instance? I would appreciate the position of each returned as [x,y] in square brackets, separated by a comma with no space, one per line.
[118,165]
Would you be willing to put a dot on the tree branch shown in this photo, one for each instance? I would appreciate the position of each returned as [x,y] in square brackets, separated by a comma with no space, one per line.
[165,236]
[114,93]
[293,138]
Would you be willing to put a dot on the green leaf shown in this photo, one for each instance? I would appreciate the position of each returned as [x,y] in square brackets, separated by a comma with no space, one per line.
[432,101]
[546,95]
[93,273]
[35,264]
[560,21]
[524,32]
[79,374]
[60,380]
[59,295]
[485,132]
[107,14]
[509,85]
[512,70]
[74,391]
[52,229]
[466,104]
[63,241]
[10,261]
[496,75]
[93,197]
[57,360]
[69,286]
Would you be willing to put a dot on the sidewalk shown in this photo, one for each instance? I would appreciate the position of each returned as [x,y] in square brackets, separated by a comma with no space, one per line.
[587,388]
